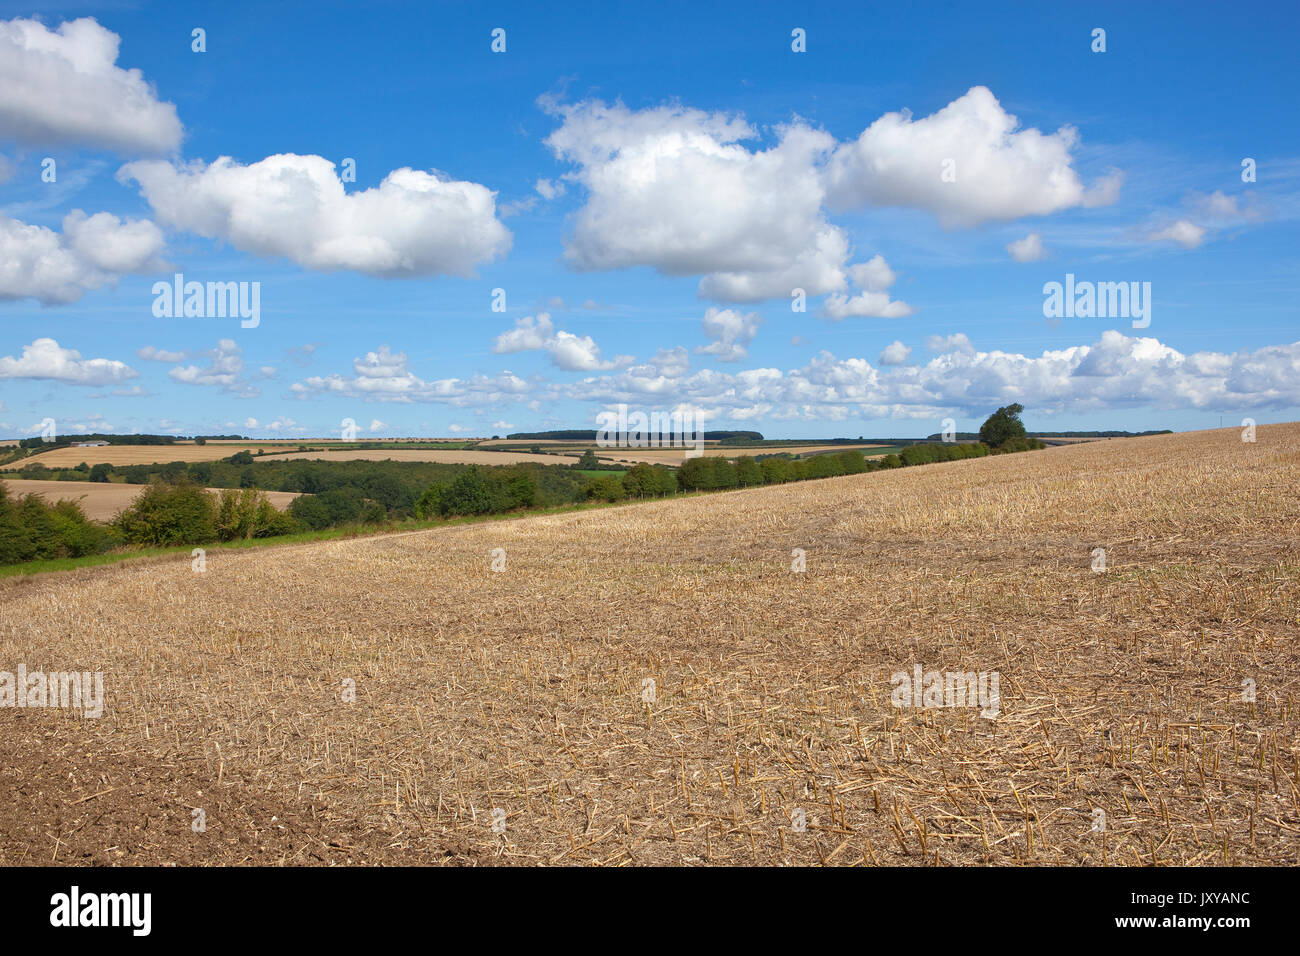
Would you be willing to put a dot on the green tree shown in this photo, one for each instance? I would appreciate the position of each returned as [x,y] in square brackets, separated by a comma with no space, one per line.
[1003,425]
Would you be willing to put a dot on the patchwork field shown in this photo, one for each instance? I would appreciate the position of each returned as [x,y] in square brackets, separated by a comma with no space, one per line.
[675,456]
[452,457]
[102,500]
[653,683]
[142,454]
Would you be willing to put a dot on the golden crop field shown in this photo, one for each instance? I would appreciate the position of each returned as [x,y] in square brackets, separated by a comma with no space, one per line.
[655,683]
[100,501]
[70,457]
[450,456]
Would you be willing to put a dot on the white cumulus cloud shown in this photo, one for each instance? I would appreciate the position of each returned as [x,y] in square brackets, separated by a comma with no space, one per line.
[872,279]
[1184,232]
[673,188]
[63,87]
[46,359]
[731,333]
[574,353]
[224,370]
[895,353]
[1028,249]
[92,251]
[414,223]
[998,171]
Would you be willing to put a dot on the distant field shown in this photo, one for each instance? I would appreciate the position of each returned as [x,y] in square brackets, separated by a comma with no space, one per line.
[558,453]
[102,500]
[449,457]
[142,454]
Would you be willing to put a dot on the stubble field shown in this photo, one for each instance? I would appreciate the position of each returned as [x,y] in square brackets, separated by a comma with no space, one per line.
[521,701]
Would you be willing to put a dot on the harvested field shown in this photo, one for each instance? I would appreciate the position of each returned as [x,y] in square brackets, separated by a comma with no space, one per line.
[450,457]
[141,454]
[528,691]
[102,500]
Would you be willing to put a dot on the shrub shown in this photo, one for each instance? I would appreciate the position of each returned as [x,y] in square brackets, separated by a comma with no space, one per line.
[852,462]
[468,494]
[311,512]
[607,489]
[343,504]
[31,529]
[237,514]
[706,473]
[170,514]
[429,504]
[1018,444]
[775,470]
[748,473]
[271,522]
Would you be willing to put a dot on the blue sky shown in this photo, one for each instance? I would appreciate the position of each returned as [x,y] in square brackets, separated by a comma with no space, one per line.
[648,187]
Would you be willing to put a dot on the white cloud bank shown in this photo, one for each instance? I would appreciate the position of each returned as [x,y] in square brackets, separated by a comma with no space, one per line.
[1115,372]
[383,376]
